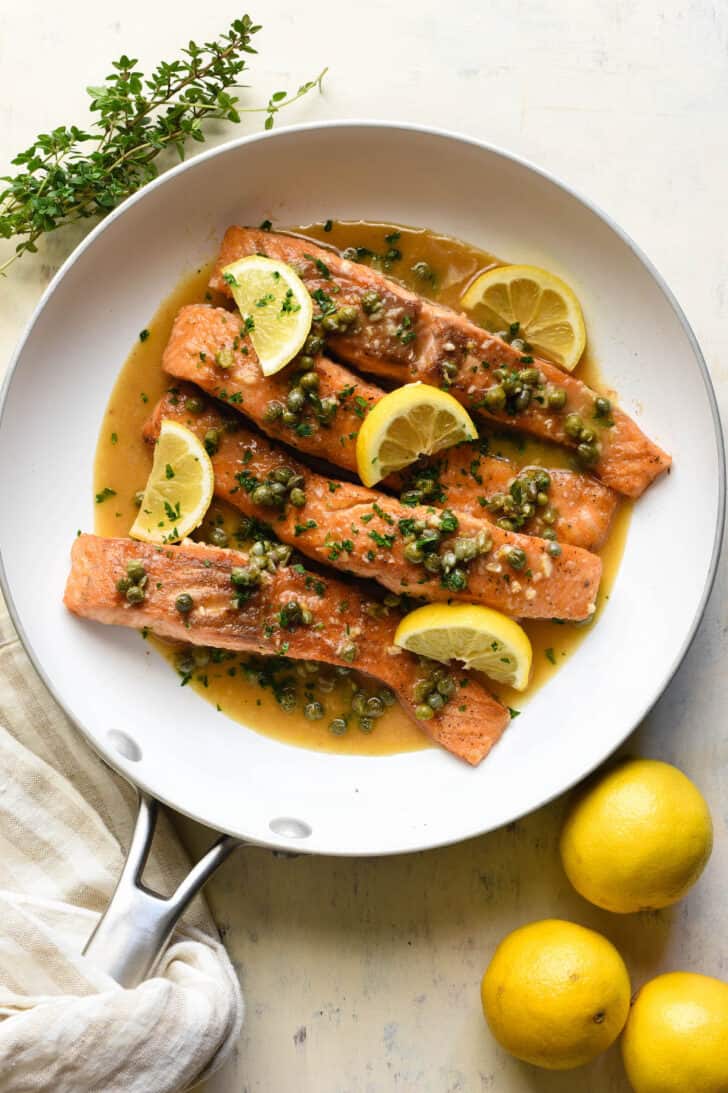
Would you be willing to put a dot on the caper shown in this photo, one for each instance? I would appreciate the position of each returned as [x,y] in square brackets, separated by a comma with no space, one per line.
[588,436]
[413,554]
[309,381]
[359,702]
[306,362]
[554,550]
[374,707]
[138,497]
[527,510]
[483,542]
[429,537]
[447,686]
[348,314]
[548,533]
[516,557]
[186,663]
[328,407]
[289,418]
[519,344]
[422,688]
[424,712]
[448,559]
[326,684]
[449,368]
[306,616]
[495,397]
[531,376]
[602,406]
[313,345]
[556,398]
[542,499]
[548,515]
[426,486]
[370,301]
[542,479]
[522,400]
[366,724]
[135,570]
[135,594]
[573,426]
[278,490]
[313,711]
[184,603]
[262,495]
[241,577]
[587,453]
[330,322]
[211,441]
[218,537]
[297,497]
[283,475]
[338,726]
[194,405]
[435,701]
[432,563]
[224,358]
[387,697]
[287,699]
[465,550]
[423,270]
[296,399]
[505,524]
[348,651]
[123,585]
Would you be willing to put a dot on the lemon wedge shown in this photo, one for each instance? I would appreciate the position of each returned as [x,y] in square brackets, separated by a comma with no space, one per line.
[411,421]
[481,638]
[548,314]
[179,488]
[275,305]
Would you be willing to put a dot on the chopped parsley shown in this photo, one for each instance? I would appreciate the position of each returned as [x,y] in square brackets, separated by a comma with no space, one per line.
[143,335]
[384,541]
[266,225]
[308,526]
[104,494]
[320,266]
[169,471]
[550,655]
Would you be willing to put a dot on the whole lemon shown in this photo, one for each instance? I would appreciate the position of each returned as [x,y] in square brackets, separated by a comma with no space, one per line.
[639,838]
[555,994]
[676,1039]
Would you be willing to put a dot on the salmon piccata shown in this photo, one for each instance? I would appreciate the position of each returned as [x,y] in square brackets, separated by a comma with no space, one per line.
[439,554]
[203,336]
[288,612]
[405,337]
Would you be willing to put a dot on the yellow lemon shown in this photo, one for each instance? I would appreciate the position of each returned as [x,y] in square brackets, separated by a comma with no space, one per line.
[413,420]
[478,636]
[555,994]
[638,838]
[179,488]
[676,1039]
[275,305]
[536,305]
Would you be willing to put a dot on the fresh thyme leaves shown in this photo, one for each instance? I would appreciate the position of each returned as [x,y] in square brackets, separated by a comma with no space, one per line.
[70,174]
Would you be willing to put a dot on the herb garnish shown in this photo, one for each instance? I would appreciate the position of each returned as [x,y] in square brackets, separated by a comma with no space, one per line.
[70,174]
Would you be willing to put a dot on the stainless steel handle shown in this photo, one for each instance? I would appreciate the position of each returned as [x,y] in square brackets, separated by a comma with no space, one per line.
[136,926]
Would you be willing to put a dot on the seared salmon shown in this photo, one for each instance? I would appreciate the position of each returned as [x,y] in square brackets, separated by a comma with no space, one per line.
[343,628]
[202,336]
[405,337]
[578,508]
[373,535]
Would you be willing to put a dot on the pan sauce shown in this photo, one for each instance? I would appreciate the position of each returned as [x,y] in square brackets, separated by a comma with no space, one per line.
[123,461]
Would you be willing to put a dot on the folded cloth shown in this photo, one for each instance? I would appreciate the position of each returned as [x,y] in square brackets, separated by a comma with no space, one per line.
[65,820]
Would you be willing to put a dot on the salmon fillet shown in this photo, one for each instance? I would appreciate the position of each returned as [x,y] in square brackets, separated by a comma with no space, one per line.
[405,337]
[468,726]
[202,335]
[366,532]
[580,509]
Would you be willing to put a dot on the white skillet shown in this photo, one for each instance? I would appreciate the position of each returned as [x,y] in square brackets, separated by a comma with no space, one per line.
[167,740]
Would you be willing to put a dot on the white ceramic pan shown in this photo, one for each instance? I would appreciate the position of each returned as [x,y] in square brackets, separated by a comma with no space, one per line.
[167,740]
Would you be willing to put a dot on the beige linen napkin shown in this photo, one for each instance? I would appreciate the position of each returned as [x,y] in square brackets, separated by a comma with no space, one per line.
[65,820]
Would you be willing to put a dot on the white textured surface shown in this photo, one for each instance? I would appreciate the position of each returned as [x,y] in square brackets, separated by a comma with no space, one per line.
[362,975]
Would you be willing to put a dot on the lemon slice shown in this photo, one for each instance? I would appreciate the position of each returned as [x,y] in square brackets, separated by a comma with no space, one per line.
[481,638]
[179,488]
[548,314]
[414,420]
[275,305]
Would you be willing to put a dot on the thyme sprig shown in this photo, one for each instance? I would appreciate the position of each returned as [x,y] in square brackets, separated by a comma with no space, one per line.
[71,174]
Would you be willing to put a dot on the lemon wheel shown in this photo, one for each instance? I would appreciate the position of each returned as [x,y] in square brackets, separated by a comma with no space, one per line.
[179,488]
